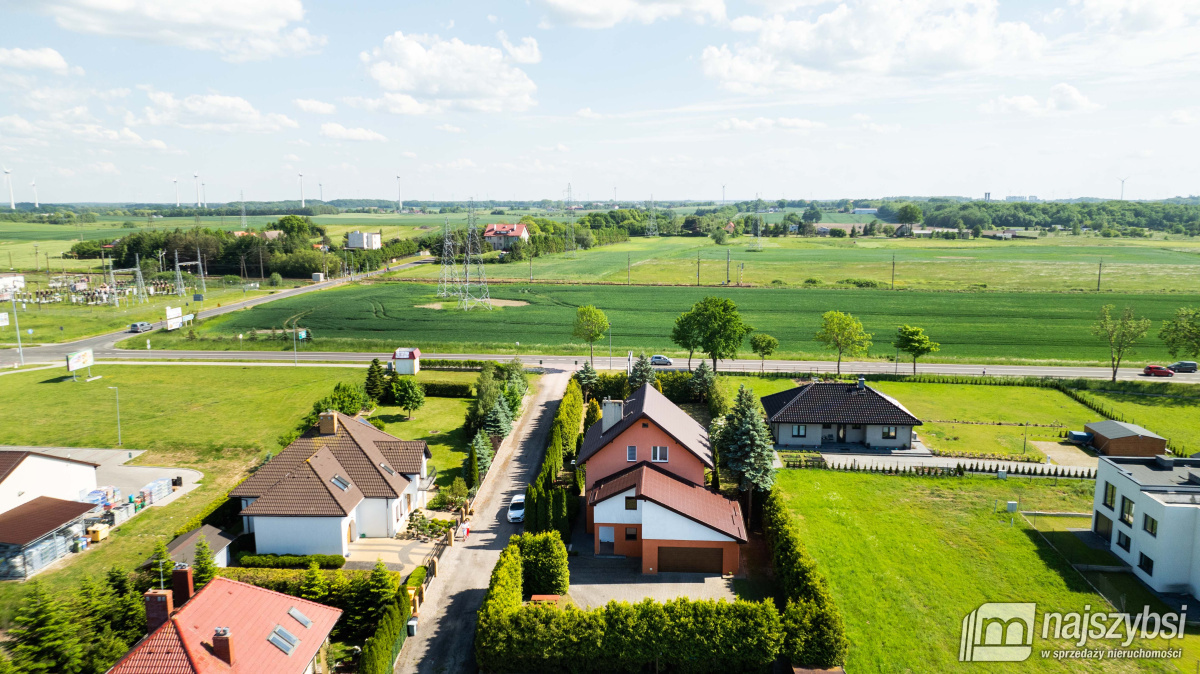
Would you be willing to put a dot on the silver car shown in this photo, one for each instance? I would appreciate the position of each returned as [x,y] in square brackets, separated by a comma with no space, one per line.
[660,360]
[516,509]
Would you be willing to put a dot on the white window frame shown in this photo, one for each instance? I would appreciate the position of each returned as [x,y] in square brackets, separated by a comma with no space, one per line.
[631,453]
[659,454]
[799,431]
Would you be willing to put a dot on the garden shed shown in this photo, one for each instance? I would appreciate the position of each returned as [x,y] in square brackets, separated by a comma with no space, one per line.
[406,361]
[1117,438]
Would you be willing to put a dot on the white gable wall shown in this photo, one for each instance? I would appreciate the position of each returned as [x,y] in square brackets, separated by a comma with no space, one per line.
[612,510]
[300,535]
[658,523]
[45,476]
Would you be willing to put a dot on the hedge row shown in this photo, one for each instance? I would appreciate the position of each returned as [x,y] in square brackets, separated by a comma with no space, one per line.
[450,364]
[448,389]
[228,507]
[288,581]
[380,650]
[291,561]
[547,505]
[680,635]
[814,635]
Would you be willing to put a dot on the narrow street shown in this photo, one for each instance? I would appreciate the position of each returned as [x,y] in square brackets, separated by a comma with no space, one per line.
[446,635]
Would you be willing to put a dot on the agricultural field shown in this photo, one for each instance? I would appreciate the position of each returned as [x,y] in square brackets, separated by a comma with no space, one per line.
[1056,263]
[971,327]
[908,558]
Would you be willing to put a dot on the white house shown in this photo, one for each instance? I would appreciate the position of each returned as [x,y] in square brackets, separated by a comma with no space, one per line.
[502,235]
[25,476]
[838,414]
[342,480]
[1148,509]
[364,240]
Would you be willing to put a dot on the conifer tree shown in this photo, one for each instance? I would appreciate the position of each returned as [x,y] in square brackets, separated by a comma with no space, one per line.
[471,467]
[588,379]
[44,641]
[593,415]
[204,566]
[498,422]
[161,560]
[313,585]
[702,383]
[641,374]
[746,445]
[375,384]
[483,453]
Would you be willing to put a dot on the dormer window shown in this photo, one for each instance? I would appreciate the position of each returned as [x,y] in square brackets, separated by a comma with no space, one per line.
[300,617]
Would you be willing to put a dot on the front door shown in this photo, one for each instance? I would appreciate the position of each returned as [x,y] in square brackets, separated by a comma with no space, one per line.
[607,541]
[350,532]
[841,432]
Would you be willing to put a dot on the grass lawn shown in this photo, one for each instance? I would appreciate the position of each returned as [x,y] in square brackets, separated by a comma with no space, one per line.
[908,558]
[438,423]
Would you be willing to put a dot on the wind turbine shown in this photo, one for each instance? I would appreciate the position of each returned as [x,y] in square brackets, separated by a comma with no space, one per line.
[1123,186]
[35,199]
[399,202]
[196,178]
[176,181]
[321,192]
[204,194]
[301,190]
[8,179]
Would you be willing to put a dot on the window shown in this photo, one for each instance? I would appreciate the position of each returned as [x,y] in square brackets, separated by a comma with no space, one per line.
[658,454]
[1123,541]
[889,432]
[387,468]
[645,425]
[283,640]
[799,430]
[631,533]
[631,453]
[340,482]
[826,426]
[1110,495]
[856,426]
[1150,525]
[631,503]
[300,617]
[1126,511]
[1145,564]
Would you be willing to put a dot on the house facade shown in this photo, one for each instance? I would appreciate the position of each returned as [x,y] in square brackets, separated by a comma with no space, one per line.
[837,414]
[342,480]
[646,494]
[25,476]
[502,235]
[1148,509]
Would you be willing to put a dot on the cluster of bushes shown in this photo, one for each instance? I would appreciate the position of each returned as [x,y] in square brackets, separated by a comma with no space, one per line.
[548,504]
[380,650]
[862,283]
[290,561]
[814,635]
[449,364]
[448,389]
[680,635]
[499,390]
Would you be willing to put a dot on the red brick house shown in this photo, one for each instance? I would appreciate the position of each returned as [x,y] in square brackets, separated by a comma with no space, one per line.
[646,493]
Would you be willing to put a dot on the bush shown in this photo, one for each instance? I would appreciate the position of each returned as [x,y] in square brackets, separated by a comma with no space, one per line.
[290,561]
[677,386]
[341,581]
[275,280]
[220,511]
[863,283]
[417,577]
[448,389]
[451,364]
[545,563]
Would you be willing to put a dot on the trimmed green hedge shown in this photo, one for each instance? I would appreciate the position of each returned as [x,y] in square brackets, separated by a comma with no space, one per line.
[228,507]
[448,389]
[545,563]
[291,561]
[417,577]
[451,364]
[380,651]
[288,581]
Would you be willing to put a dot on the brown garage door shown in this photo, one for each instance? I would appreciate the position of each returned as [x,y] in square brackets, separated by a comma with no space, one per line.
[692,560]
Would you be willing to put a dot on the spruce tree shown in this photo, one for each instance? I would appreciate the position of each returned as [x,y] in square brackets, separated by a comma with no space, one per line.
[44,640]
[641,374]
[588,379]
[471,467]
[483,453]
[373,598]
[375,384]
[313,585]
[746,445]
[204,566]
[702,382]
[102,651]
[161,560]
[498,422]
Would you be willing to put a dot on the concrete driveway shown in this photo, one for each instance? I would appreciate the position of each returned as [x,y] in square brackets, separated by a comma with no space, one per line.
[113,471]
[397,555]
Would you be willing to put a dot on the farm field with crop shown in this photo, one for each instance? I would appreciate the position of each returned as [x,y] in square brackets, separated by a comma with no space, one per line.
[908,558]
[971,327]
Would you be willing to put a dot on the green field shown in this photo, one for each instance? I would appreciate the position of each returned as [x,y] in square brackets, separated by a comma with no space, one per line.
[971,327]
[908,558]
[1172,417]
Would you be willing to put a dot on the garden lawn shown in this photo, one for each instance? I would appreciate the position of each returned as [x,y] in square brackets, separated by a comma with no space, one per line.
[1173,418]
[908,558]
[438,423]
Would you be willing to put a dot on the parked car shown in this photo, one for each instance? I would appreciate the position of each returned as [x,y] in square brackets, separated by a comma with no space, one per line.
[1157,371]
[140,326]
[516,509]
[1183,366]
[661,360]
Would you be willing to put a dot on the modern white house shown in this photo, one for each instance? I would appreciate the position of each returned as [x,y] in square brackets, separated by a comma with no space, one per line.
[342,480]
[25,476]
[1148,509]
[837,414]
[364,240]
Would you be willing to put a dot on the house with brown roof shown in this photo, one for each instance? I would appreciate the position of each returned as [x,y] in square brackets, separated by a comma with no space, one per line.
[26,475]
[833,414]
[229,627]
[35,534]
[646,491]
[342,480]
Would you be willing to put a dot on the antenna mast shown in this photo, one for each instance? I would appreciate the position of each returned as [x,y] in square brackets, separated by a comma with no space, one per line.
[570,248]
[178,276]
[474,286]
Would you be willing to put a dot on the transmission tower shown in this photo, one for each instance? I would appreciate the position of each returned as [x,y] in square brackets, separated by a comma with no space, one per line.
[652,223]
[242,195]
[178,276]
[200,270]
[448,284]
[474,289]
[570,249]
[142,295]
[757,244]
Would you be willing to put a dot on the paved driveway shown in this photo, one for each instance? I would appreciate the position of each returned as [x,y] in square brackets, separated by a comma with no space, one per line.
[113,471]
[398,555]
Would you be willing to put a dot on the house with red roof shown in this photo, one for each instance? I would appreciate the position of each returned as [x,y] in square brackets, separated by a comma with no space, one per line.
[646,492]
[229,628]
[502,235]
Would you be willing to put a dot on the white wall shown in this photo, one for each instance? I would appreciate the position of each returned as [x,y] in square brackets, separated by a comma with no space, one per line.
[373,517]
[301,535]
[875,436]
[44,476]
[222,557]
[658,523]
[612,511]
[783,435]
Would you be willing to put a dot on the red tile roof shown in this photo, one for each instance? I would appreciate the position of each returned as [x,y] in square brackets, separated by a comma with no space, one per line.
[183,645]
[10,459]
[693,501]
[504,229]
[836,403]
[647,402]
[30,521]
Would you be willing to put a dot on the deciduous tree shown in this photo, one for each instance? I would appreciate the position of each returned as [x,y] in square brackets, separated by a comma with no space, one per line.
[720,327]
[843,333]
[915,342]
[764,345]
[1182,333]
[1121,332]
[686,333]
[408,394]
[590,326]
[909,214]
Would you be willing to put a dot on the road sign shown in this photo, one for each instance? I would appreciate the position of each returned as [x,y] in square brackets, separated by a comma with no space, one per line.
[303,334]
[197,297]
[3,319]
[80,360]
[174,312]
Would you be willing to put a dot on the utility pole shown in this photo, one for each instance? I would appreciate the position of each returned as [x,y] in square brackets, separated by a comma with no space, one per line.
[1099,272]
[36,267]
[531,266]
[260,265]
[628,266]
[726,266]
[17,324]
[697,269]
[893,272]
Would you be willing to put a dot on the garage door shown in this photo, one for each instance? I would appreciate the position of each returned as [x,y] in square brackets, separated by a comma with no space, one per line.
[692,560]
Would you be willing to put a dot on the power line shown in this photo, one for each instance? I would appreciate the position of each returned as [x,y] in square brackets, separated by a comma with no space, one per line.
[652,222]
[448,283]
[474,286]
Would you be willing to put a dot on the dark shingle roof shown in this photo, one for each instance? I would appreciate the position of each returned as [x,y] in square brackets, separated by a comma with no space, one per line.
[183,548]
[836,403]
[405,455]
[309,491]
[10,459]
[30,521]
[647,402]
[690,500]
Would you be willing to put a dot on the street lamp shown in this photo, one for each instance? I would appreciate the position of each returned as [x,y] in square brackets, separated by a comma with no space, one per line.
[114,388]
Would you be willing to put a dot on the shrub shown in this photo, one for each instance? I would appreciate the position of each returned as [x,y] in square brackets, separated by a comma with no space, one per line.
[230,279]
[448,389]
[275,280]
[290,561]
[545,563]
[417,577]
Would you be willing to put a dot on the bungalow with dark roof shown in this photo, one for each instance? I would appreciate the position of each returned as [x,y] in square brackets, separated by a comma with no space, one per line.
[838,413]
[341,480]
[646,495]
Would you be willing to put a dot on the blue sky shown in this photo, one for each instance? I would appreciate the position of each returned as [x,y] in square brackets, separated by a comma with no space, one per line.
[106,100]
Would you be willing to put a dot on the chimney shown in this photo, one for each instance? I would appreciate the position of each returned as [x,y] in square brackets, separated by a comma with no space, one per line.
[182,584]
[613,410]
[223,644]
[329,423]
[862,382]
[159,608]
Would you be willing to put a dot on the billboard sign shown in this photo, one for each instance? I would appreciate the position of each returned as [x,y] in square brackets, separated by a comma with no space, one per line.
[197,297]
[174,312]
[79,360]
[3,319]
[303,334]
[174,323]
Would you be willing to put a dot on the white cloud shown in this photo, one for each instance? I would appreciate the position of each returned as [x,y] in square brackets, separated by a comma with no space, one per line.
[526,52]
[409,154]
[44,58]
[397,104]
[238,30]
[456,164]
[315,107]
[210,112]
[608,13]
[429,74]
[1138,15]
[449,128]
[492,18]
[47,130]
[339,132]
[766,123]
[557,147]
[1064,99]
[291,157]
[1182,117]
[103,167]
[865,38]
[797,123]
[587,113]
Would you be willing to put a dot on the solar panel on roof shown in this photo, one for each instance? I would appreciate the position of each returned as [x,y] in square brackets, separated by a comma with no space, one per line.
[300,617]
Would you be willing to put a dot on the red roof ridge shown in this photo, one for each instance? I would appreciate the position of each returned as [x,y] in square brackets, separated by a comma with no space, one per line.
[183,642]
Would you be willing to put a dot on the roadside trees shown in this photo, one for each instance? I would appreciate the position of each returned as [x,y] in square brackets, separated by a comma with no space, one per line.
[1182,334]
[720,328]
[686,333]
[843,333]
[764,345]
[408,394]
[1121,332]
[590,326]
[915,342]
